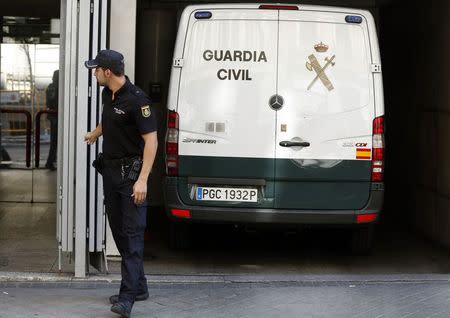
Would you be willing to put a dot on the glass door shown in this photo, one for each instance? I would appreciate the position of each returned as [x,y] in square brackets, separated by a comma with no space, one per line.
[28,122]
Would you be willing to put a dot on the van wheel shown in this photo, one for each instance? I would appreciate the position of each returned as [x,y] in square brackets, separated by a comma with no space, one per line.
[362,240]
[180,236]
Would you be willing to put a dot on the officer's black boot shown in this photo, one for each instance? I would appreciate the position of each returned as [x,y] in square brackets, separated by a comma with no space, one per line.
[122,308]
[115,298]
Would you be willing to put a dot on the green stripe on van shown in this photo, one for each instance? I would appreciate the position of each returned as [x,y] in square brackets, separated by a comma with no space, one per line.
[226,167]
[322,170]
[319,195]
[285,169]
[290,184]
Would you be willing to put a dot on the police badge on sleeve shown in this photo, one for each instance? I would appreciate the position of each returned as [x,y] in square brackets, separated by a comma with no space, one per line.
[146,111]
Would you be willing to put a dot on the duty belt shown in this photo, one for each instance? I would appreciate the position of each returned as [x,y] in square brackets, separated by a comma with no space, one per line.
[119,162]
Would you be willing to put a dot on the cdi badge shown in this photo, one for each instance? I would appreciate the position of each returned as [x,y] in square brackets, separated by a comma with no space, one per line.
[146,111]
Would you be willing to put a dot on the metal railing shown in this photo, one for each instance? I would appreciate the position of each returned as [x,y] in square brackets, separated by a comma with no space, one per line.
[27,130]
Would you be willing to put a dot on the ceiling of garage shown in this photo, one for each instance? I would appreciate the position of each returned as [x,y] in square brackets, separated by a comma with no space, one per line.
[51,8]
[30,8]
[340,3]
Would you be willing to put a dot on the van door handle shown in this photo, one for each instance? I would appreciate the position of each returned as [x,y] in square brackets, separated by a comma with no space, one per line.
[288,143]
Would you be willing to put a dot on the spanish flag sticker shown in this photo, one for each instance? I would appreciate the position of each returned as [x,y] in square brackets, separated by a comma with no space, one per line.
[363,153]
[146,111]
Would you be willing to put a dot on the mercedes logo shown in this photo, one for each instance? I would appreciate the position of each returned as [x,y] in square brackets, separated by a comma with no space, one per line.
[276,102]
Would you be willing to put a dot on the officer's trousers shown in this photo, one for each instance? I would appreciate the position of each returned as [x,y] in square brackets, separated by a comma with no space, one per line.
[127,221]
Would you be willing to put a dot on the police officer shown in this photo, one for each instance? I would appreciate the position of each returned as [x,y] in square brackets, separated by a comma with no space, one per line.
[128,127]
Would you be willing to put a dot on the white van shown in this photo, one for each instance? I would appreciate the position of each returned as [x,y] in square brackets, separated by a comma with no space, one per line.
[276,116]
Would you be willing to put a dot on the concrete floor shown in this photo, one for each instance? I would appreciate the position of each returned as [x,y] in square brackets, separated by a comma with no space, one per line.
[27,243]
[315,252]
[27,237]
[23,185]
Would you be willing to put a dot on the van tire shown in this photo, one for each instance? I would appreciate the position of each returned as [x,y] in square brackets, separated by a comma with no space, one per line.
[362,240]
[180,236]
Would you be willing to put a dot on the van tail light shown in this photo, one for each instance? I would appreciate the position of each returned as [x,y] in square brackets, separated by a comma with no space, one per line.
[172,143]
[181,213]
[378,149]
[366,218]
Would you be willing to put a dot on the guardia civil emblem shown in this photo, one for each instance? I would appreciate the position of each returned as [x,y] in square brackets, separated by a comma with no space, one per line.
[146,111]
[314,64]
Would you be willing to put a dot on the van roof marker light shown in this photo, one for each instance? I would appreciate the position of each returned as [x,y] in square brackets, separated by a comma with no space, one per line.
[203,15]
[277,7]
[353,19]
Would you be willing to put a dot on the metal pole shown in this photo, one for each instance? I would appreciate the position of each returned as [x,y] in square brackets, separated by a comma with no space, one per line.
[1,41]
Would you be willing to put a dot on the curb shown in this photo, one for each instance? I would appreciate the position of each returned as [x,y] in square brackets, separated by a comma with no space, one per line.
[310,280]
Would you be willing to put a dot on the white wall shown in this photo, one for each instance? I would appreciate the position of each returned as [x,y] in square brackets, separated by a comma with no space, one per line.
[122,36]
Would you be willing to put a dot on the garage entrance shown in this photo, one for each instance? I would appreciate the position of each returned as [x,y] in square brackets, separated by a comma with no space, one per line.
[412,237]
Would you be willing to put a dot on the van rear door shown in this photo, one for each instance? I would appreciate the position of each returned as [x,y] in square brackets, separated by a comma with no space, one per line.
[226,128]
[324,129]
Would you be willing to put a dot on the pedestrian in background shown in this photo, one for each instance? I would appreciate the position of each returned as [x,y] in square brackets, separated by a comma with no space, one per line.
[51,94]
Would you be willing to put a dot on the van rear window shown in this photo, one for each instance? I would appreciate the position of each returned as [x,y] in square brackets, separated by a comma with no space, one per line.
[326,65]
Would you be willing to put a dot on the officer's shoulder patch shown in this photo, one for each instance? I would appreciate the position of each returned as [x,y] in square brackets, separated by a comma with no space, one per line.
[146,111]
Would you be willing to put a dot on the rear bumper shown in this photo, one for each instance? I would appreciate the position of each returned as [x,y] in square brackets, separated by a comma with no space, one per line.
[211,214]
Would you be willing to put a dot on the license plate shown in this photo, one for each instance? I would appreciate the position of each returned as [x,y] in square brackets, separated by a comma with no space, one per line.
[227,194]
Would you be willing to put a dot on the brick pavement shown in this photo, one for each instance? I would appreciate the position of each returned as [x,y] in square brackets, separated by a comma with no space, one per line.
[272,299]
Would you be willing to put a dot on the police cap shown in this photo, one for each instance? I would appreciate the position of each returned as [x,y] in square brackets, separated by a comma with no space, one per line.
[108,59]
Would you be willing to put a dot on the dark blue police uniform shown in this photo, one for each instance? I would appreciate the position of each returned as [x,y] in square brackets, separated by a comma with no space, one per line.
[124,120]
